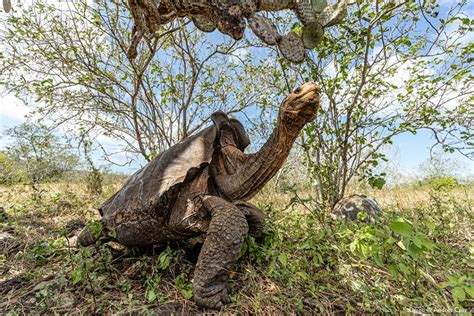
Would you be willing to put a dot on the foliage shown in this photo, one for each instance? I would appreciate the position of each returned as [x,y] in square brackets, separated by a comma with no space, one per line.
[442,183]
[415,259]
[94,178]
[94,181]
[390,67]
[381,79]
[9,171]
[34,155]
[71,61]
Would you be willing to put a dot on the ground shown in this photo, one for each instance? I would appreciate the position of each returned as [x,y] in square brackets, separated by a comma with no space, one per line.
[417,258]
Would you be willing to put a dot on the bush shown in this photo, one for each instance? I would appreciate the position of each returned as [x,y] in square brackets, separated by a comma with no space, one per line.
[10,171]
[35,155]
[95,181]
[442,183]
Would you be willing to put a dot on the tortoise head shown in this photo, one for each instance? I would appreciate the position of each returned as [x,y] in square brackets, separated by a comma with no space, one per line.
[300,106]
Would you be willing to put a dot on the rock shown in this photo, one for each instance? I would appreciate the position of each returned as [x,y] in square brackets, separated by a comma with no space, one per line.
[72,241]
[42,285]
[350,207]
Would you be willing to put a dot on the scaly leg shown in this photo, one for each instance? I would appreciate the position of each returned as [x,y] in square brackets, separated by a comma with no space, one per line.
[255,218]
[219,253]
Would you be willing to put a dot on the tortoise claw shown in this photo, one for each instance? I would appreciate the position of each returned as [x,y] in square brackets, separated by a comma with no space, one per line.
[215,301]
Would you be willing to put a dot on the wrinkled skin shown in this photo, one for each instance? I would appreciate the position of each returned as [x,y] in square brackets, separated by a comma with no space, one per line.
[211,200]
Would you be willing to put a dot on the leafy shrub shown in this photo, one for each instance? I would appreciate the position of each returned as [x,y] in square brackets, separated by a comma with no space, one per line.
[95,181]
[35,155]
[10,171]
[442,183]
[392,265]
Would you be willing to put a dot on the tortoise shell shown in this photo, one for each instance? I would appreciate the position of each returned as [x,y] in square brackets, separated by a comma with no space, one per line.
[155,186]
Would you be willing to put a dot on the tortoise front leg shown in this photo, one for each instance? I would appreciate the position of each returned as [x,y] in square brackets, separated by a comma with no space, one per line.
[219,253]
[255,218]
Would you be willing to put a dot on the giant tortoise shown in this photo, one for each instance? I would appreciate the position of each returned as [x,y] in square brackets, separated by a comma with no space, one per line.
[200,187]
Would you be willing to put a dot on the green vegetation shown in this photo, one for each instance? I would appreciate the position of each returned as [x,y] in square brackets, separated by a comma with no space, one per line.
[35,155]
[442,183]
[391,67]
[418,258]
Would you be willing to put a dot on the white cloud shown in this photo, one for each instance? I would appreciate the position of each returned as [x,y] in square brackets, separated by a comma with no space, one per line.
[12,108]
[238,55]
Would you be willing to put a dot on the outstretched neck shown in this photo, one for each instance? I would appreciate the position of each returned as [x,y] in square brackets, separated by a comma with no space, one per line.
[242,176]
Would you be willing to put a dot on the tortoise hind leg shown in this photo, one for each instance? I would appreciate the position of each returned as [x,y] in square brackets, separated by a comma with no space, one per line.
[220,251]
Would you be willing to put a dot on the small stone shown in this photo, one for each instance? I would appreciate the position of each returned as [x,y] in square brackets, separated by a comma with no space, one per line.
[66,300]
[72,241]
[42,285]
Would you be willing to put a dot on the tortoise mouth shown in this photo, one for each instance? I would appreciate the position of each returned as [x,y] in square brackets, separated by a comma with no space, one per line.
[311,91]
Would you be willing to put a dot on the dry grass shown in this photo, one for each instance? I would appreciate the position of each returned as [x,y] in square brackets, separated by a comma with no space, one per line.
[304,265]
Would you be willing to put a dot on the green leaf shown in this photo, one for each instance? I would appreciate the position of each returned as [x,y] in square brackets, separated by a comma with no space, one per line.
[187,293]
[164,261]
[393,270]
[77,275]
[151,295]
[282,259]
[404,269]
[469,290]
[423,241]
[414,250]
[376,182]
[458,294]
[401,228]
[302,275]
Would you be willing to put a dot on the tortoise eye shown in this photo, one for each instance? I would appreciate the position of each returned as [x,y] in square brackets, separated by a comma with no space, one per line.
[297,90]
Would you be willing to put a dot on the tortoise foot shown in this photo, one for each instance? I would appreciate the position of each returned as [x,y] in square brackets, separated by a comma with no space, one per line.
[212,300]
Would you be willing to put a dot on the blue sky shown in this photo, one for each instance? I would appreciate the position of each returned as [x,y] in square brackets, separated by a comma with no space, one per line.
[405,155]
